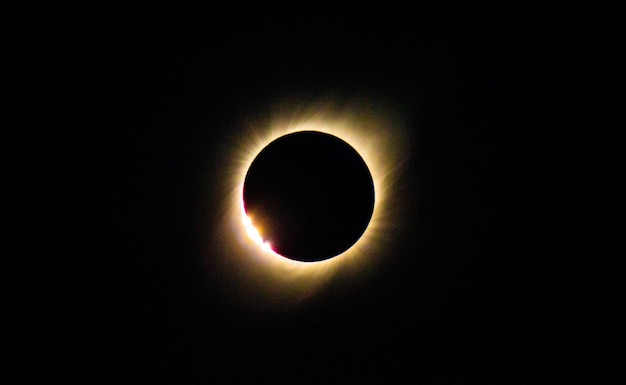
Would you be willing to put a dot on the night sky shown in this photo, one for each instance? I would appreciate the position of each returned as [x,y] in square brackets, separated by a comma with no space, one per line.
[119,120]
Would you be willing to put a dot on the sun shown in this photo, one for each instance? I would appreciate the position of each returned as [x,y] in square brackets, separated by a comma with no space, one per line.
[254,233]
[246,262]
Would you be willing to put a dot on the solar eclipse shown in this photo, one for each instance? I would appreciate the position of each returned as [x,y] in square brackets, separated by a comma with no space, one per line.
[285,233]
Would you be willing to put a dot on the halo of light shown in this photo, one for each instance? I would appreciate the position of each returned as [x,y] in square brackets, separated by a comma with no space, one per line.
[252,270]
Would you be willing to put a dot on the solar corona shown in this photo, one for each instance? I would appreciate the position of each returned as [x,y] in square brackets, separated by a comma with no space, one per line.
[309,195]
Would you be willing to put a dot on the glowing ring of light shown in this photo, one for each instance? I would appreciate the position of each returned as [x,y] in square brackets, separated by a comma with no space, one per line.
[380,141]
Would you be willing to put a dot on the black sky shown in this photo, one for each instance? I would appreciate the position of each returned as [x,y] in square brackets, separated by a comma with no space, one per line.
[115,117]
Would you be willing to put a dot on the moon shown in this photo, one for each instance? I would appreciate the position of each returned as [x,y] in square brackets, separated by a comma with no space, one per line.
[309,195]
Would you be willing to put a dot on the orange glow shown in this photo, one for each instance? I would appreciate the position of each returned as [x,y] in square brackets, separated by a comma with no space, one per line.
[254,234]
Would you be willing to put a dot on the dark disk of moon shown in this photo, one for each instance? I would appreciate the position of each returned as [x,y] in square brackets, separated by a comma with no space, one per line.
[310,195]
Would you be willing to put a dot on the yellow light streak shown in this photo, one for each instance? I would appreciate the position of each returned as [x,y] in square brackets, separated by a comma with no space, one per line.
[254,234]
